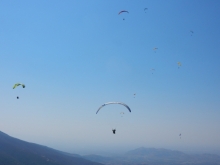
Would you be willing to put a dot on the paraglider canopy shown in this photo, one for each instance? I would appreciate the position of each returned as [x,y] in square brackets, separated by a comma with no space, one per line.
[114,103]
[18,84]
[123,11]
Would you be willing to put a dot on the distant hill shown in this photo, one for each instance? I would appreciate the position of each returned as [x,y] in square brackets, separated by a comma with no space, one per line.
[17,152]
[152,156]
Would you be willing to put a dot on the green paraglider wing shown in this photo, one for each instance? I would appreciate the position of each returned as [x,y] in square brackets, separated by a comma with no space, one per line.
[18,85]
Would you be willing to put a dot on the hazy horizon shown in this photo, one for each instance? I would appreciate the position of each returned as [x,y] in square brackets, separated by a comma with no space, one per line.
[114,150]
[75,56]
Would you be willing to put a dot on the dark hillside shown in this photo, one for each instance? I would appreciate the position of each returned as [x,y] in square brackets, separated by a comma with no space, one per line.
[17,152]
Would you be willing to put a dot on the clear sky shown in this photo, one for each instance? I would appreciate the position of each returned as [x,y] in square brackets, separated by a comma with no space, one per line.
[73,56]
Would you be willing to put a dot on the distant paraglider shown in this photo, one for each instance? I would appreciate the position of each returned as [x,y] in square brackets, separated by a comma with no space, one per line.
[114,103]
[180,135]
[179,64]
[134,95]
[16,85]
[191,32]
[155,49]
[114,131]
[152,71]
[145,9]
[123,11]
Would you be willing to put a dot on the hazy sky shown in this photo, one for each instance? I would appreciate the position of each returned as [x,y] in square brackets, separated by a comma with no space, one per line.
[73,56]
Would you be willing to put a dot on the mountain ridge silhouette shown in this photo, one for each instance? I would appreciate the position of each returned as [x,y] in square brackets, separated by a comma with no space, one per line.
[14,151]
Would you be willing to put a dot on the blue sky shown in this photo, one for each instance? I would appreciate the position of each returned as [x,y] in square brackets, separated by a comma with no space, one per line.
[74,56]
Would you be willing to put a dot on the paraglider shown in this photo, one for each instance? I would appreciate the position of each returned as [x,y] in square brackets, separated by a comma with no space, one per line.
[180,135]
[145,9]
[155,49]
[152,71]
[134,95]
[122,113]
[113,130]
[123,11]
[114,103]
[16,85]
[179,64]
[191,32]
